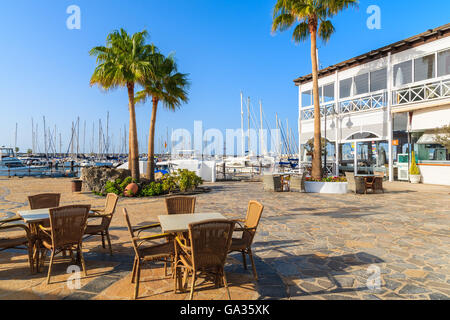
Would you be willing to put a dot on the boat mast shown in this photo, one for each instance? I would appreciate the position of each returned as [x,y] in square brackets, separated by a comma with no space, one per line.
[248,119]
[242,125]
[45,138]
[15,139]
[261,138]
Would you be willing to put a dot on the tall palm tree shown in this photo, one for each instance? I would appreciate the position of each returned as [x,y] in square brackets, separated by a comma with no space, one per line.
[163,83]
[123,63]
[312,17]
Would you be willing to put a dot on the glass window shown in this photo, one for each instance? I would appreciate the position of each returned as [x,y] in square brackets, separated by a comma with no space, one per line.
[307,98]
[362,84]
[344,90]
[403,73]
[378,80]
[444,63]
[424,68]
[328,93]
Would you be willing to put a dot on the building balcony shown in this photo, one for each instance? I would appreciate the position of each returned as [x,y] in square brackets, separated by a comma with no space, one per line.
[423,92]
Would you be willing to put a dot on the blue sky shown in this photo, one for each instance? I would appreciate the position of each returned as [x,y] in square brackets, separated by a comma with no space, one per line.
[225,45]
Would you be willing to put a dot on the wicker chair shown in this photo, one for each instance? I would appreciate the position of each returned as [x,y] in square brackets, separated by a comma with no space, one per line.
[15,242]
[67,225]
[156,252]
[209,245]
[180,205]
[105,215]
[375,183]
[248,230]
[44,201]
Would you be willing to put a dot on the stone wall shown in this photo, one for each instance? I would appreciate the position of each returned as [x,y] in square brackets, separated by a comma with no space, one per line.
[95,178]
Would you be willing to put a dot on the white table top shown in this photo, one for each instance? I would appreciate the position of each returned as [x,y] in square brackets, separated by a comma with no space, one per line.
[35,216]
[180,222]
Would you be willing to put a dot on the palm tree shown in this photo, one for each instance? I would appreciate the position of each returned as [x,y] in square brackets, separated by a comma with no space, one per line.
[163,83]
[313,20]
[123,63]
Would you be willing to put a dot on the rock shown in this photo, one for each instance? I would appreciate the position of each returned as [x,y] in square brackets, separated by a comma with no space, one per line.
[95,178]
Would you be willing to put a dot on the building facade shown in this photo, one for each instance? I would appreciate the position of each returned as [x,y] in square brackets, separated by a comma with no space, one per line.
[377,107]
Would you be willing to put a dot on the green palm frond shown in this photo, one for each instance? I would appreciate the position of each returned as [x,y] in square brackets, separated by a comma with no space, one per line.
[164,83]
[326,29]
[310,15]
[123,60]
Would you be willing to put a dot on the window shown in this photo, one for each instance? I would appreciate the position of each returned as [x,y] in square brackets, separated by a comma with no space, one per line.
[378,80]
[344,88]
[403,73]
[328,93]
[307,98]
[443,63]
[362,135]
[362,84]
[424,68]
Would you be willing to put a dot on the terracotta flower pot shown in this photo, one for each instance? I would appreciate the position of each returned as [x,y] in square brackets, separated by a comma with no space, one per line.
[131,190]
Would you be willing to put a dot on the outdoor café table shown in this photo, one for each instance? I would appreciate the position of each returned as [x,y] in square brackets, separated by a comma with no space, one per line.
[179,223]
[34,218]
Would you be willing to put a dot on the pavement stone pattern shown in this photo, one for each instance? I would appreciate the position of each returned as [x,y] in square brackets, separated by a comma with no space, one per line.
[308,246]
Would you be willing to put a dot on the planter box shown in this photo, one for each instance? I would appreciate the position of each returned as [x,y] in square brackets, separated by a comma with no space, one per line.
[326,187]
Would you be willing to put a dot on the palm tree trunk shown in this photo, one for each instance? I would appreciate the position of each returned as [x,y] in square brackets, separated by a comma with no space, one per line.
[317,156]
[133,155]
[151,143]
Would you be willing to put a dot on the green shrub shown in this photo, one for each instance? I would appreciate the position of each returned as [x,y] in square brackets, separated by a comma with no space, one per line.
[170,182]
[414,169]
[188,180]
[151,189]
[112,187]
[125,183]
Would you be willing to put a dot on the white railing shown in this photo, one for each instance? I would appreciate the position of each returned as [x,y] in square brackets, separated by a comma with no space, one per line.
[308,113]
[421,93]
[365,103]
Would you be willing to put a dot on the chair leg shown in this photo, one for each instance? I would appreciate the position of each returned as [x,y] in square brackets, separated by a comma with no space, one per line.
[192,285]
[109,242]
[83,264]
[37,249]
[176,280]
[138,277]
[50,266]
[30,257]
[43,255]
[103,240]
[133,273]
[225,283]
[244,260]
[250,254]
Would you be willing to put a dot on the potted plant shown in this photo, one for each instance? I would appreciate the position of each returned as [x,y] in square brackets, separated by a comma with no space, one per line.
[332,185]
[414,172]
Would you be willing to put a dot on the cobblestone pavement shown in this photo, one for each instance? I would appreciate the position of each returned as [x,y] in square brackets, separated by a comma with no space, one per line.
[307,246]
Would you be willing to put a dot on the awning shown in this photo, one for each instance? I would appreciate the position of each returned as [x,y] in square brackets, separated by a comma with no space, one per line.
[427,138]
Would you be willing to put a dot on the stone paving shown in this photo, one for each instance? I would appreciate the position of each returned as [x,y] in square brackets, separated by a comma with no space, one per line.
[308,246]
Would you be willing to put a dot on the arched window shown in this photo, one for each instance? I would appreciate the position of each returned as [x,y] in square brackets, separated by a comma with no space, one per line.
[362,136]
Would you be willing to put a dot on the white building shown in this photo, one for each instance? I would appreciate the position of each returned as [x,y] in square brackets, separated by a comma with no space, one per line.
[389,99]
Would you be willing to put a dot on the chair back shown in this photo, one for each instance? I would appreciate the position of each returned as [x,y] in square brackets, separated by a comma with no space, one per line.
[130,229]
[379,174]
[68,224]
[254,212]
[44,201]
[110,209]
[210,243]
[180,205]
[351,184]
